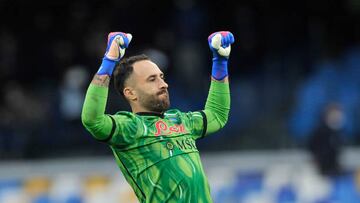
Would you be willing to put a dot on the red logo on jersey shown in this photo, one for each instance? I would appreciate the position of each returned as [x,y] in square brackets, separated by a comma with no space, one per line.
[163,129]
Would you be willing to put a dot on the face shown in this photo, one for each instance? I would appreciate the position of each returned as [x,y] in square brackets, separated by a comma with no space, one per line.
[148,87]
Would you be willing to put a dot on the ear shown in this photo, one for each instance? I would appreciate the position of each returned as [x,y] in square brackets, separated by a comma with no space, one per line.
[130,94]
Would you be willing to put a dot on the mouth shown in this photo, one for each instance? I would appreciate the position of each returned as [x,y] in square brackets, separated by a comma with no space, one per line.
[162,92]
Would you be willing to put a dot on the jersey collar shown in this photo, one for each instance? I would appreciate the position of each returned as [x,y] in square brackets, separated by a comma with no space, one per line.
[161,115]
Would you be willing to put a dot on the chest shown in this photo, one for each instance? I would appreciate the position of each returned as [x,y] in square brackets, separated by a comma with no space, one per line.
[166,128]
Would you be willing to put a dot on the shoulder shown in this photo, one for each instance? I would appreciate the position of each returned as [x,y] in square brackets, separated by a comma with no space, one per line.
[176,113]
[183,115]
[172,112]
[122,116]
[125,114]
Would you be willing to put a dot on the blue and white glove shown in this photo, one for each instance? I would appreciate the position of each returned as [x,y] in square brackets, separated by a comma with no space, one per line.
[115,50]
[220,45]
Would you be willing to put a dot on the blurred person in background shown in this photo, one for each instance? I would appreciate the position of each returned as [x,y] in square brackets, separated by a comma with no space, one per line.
[154,146]
[70,105]
[325,142]
[72,94]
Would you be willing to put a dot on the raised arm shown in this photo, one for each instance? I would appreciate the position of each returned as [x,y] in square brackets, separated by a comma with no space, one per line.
[217,105]
[93,116]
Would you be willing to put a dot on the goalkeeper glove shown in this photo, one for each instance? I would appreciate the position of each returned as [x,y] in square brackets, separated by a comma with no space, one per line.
[115,50]
[220,45]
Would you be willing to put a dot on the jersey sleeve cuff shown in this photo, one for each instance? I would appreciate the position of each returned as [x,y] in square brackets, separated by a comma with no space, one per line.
[111,132]
[204,123]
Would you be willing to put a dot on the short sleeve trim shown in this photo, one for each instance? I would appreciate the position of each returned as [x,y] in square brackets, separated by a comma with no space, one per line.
[204,124]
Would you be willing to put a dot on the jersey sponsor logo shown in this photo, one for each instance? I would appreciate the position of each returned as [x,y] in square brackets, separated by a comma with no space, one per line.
[163,129]
[186,143]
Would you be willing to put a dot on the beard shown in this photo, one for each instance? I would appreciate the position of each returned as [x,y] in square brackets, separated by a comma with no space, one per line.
[158,102]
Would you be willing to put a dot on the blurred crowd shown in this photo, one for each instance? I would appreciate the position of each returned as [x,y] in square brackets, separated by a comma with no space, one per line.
[86,181]
[294,69]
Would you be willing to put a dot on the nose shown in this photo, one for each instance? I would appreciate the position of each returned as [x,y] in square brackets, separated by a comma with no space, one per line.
[163,84]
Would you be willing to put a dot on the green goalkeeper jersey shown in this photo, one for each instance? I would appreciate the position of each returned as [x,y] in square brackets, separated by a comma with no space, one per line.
[157,153]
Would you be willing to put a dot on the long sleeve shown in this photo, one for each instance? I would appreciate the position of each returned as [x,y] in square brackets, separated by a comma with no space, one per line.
[217,106]
[93,113]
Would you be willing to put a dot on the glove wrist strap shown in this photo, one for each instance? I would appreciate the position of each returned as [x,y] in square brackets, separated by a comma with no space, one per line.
[219,68]
[107,67]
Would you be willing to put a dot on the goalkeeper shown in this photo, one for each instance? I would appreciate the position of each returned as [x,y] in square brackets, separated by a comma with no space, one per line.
[154,146]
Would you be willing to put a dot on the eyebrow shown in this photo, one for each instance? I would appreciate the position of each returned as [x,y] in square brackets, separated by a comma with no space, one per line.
[154,75]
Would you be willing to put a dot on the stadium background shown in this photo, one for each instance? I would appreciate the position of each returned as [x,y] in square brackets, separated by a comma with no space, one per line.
[293,132]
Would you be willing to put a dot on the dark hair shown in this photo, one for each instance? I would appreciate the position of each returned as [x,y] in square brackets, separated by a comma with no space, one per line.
[124,70]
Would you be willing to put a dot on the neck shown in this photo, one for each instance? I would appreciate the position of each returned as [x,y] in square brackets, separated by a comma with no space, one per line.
[135,109]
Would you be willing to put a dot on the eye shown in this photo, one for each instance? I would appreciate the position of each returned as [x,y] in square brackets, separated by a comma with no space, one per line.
[152,79]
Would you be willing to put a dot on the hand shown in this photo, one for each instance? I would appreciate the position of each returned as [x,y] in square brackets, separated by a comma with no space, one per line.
[116,45]
[115,50]
[220,44]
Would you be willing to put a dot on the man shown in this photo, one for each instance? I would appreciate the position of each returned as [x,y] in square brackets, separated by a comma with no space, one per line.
[153,146]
